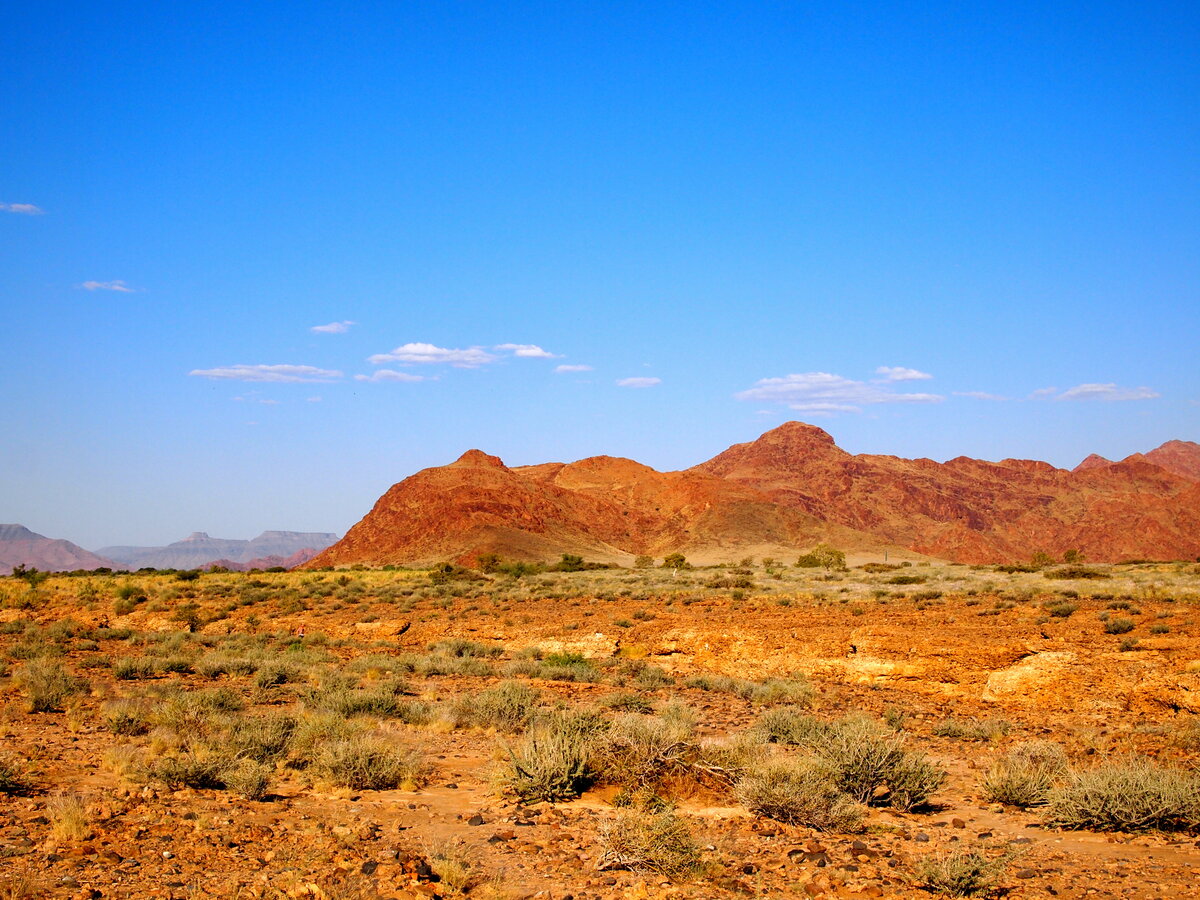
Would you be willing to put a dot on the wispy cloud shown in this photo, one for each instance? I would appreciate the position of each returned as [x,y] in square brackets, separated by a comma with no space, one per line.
[572,368]
[888,374]
[979,395]
[22,209]
[528,351]
[265,401]
[333,328]
[389,375]
[825,393]
[428,354]
[282,374]
[642,382]
[119,286]
[1043,392]
[1108,392]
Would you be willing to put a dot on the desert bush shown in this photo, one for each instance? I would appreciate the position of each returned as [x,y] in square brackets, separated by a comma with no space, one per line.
[642,842]
[627,703]
[368,762]
[960,874]
[127,717]
[199,770]
[460,647]
[1119,625]
[129,668]
[275,673]
[551,761]
[643,750]
[972,729]
[1128,795]
[247,778]
[260,739]
[337,698]
[791,726]
[48,685]
[800,792]
[1062,610]
[214,665]
[727,760]
[507,707]
[12,775]
[1026,774]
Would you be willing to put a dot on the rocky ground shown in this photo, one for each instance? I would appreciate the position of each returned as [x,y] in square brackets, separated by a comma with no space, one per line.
[963,665]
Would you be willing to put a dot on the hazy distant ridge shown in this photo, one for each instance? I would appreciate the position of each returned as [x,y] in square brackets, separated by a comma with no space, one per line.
[198,549]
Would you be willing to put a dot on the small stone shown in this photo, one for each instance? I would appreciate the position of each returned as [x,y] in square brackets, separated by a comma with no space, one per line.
[476,819]
[921,837]
[167,854]
[958,823]
[1026,873]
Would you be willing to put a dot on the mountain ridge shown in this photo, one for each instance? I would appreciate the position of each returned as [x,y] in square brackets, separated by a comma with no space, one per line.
[786,490]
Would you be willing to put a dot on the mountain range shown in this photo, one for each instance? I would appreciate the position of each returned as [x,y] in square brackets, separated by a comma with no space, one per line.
[198,549]
[784,492]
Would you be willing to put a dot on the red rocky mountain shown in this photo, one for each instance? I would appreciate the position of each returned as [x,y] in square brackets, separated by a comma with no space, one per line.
[779,494]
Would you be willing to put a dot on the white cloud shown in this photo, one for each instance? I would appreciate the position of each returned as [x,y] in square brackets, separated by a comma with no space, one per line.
[313,399]
[23,209]
[979,395]
[265,401]
[282,374]
[427,354]
[572,368]
[527,351]
[389,375]
[824,393]
[638,382]
[119,286]
[1107,392]
[333,328]
[1043,392]
[900,373]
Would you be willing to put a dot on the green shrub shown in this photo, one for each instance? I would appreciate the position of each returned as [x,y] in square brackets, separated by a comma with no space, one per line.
[644,843]
[261,739]
[1130,795]
[791,726]
[800,792]
[129,668]
[1062,610]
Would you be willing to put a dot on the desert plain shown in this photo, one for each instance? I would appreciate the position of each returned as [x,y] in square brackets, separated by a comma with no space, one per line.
[751,729]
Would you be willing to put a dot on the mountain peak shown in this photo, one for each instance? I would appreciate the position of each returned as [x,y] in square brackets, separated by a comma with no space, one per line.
[477,459]
[198,536]
[16,532]
[1094,461]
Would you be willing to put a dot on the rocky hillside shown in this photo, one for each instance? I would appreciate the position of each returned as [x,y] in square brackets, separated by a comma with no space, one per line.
[783,492]
[20,546]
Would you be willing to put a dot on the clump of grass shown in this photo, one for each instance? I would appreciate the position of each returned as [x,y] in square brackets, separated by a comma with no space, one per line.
[455,863]
[1129,795]
[627,703]
[649,842]
[1026,774]
[247,778]
[800,792]
[972,729]
[127,717]
[551,762]
[507,707]
[791,726]
[1119,625]
[643,750]
[369,762]
[130,668]
[960,874]
[795,690]
[48,685]
[68,817]
[12,775]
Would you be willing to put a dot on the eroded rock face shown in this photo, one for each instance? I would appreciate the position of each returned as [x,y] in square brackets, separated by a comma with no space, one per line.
[784,492]
[1027,678]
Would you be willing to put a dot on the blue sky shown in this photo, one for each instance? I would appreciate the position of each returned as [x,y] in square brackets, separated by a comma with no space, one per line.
[959,229]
